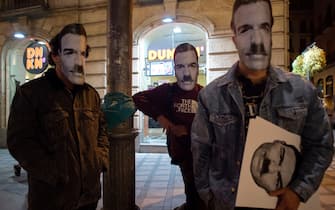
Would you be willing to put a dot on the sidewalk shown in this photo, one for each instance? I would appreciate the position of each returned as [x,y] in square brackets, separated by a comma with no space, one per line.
[159,185]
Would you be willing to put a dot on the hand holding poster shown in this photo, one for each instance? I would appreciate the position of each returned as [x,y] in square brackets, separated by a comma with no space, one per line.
[270,156]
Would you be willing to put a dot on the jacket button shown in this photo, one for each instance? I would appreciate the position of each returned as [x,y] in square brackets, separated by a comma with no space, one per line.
[233,189]
[238,163]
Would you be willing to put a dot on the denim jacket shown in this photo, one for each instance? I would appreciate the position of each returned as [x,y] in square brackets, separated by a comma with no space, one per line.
[218,133]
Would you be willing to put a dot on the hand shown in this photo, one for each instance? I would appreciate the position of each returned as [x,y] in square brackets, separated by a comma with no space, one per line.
[287,199]
[178,130]
[164,122]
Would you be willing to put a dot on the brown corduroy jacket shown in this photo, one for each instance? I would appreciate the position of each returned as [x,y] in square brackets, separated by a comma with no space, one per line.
[59,137]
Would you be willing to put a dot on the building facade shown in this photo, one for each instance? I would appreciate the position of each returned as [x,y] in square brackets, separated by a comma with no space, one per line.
[313,21]
[300,27]
[206,22]
[324,30]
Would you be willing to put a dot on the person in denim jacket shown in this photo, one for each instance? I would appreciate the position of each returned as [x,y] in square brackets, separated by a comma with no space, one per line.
[253,87]
[57,131]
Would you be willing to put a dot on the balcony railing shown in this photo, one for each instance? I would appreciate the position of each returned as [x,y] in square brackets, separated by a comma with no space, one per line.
[8,5]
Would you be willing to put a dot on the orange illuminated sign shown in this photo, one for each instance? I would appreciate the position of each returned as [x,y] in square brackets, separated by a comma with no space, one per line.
[165,54]
[35,58]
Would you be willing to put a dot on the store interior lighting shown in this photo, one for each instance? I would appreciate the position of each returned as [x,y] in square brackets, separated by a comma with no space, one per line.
[176,30]
[167,20]
[19,35]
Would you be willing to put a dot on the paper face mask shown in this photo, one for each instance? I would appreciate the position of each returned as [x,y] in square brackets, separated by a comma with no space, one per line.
[253,31]
[186,69]
[73,58]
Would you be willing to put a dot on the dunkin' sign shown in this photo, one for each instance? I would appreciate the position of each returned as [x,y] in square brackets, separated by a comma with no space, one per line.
[35,58]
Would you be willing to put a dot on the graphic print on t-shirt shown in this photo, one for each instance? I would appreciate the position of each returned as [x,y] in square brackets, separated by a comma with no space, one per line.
[186,106]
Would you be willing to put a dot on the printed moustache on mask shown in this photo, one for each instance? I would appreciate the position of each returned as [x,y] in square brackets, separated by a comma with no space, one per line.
[257,49]
[187,78]
[78,69]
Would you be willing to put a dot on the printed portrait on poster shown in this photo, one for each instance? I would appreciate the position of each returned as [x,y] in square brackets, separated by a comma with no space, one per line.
[271,156]
[273,164]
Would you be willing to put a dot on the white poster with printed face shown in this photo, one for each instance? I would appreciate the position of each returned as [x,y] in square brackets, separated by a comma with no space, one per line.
[270,156]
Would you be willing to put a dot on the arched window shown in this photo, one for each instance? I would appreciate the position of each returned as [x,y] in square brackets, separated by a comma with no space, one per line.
[319,87]
[328,17]
[302,45]
[329,85]
[319,26]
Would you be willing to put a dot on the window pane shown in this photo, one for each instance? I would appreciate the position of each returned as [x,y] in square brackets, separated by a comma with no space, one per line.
[329,85]
[320,87]
[148,2]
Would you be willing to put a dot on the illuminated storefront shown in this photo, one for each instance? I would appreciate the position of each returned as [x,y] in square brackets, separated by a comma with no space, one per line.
[25,59]
[157,68]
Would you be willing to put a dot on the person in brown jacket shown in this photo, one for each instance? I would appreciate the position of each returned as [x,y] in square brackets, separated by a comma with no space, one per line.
[57,131]
[174,105]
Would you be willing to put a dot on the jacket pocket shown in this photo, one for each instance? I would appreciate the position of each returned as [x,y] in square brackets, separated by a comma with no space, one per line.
[222,119]
[292,118]
[56,126]
[56,135]
[226,128]
[89,124]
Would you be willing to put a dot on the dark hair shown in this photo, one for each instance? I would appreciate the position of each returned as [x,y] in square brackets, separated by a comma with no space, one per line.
[239,3]
[184,48]
[56,42]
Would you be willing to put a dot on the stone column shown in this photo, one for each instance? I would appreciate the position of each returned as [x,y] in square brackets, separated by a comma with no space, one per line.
[119,181]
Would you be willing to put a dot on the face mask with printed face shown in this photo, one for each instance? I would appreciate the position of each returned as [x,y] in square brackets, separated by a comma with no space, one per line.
[253,35]
[186,69]
[73,58]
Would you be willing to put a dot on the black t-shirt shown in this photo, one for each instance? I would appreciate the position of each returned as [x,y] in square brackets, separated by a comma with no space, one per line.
[252,96]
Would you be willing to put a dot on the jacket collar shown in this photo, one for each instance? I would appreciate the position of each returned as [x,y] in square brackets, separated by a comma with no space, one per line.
[276,75]
[56,82]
